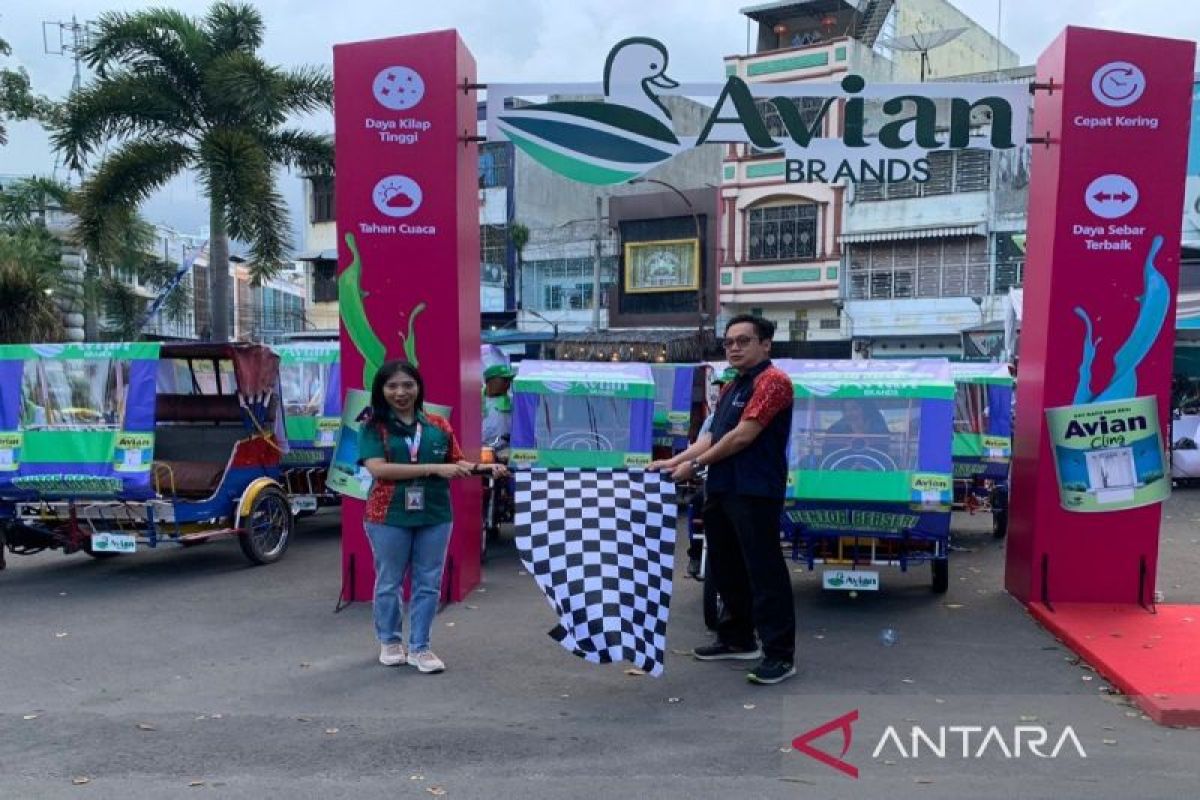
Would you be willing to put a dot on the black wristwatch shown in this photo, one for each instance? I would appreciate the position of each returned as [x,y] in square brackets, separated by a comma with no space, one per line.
[697,467]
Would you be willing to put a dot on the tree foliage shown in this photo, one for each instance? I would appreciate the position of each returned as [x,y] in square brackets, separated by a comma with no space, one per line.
[17,100]
[175,93]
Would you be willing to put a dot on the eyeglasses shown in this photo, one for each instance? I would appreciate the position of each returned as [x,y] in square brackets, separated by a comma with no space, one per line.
[740,341]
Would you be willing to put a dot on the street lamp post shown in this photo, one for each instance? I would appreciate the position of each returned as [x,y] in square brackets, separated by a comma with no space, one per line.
[599,255]
[699,241]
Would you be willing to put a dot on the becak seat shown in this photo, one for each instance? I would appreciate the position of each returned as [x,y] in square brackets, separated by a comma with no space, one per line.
[188,478]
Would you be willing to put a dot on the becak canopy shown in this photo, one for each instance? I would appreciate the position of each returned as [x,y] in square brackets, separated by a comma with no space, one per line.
[77,420]
[982,420]
[871,432]
[582,414]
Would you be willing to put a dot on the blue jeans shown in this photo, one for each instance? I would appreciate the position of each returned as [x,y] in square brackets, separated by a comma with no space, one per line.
[396,550]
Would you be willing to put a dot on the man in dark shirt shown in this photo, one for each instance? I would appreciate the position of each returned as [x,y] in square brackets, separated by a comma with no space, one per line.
[745,453]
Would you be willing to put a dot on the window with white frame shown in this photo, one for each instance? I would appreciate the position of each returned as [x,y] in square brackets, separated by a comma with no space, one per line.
[809,109]
[565,284]
[950,172]
[955,266]
[782,233]
[493,254]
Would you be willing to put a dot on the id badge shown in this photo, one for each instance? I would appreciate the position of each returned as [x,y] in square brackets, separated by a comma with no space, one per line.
[414,498]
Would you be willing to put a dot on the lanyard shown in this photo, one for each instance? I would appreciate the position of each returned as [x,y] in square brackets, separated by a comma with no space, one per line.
[414,445]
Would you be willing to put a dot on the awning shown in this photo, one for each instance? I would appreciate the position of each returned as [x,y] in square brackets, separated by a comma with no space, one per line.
[317,255]
[1187,311]
[935,232]
[994,326]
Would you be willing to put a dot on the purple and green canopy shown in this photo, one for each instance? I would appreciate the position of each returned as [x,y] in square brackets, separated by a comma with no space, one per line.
[867,432]
[77,419]
[310,384]
[582,414]
[982,419]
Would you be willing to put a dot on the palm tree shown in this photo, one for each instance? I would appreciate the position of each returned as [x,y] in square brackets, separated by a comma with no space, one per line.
[17,100]
[31,250]
[174,93]
[30,273]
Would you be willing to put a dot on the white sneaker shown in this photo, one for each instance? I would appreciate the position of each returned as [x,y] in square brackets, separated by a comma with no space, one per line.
[392,654]
[426,661]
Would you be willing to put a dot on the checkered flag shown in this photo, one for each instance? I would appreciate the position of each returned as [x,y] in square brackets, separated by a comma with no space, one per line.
[601,545]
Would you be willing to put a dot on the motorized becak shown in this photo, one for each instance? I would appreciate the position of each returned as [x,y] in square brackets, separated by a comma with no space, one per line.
[108,448]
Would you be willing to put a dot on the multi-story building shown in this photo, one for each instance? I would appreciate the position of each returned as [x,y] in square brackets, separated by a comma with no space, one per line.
[579,237]
[177,249]
[264,313]
[784,245]
[320,254]
[928,265]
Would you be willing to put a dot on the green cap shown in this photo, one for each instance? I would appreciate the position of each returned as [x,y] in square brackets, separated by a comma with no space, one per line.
[728,375]
[499,371]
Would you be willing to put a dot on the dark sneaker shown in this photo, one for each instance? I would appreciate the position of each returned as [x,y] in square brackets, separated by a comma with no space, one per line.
[719,651]
[693,567]
[771,670]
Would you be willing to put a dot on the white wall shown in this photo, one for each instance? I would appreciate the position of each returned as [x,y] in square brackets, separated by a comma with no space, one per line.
[969,208]
[919,316]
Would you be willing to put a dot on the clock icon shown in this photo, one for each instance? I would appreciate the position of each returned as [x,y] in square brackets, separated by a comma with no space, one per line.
[1118,84]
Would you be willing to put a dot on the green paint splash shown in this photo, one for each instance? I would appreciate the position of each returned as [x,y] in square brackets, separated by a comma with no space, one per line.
[354,315]
[358,327]
[410,341]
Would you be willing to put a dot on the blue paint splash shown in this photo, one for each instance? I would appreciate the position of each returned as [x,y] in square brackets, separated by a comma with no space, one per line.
[1083,390]
[1154,302]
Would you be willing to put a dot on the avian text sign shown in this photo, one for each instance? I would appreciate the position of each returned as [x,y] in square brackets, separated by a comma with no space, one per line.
[629,130]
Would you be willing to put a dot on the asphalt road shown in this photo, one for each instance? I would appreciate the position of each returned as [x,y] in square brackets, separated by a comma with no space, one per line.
[190,674]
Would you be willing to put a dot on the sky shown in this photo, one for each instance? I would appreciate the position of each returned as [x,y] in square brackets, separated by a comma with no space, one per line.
[513,40]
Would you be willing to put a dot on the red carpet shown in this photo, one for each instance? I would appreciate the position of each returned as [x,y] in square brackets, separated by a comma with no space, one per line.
[1153,658]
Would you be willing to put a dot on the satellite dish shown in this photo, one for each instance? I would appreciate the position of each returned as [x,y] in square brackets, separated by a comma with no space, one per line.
[922,42]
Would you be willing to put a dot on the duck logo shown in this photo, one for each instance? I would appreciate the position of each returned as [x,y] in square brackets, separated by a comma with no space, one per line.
[603,142]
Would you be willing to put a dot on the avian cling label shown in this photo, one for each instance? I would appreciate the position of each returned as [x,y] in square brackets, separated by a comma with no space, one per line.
[1108,456]
[134,452]
[10,451]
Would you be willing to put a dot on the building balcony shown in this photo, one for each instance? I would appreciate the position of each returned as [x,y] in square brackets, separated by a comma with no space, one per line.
[787,282]
[794,63]
[809,62]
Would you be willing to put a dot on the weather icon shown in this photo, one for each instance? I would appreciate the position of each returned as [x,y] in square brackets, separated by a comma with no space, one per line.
[396,196]
[398,88]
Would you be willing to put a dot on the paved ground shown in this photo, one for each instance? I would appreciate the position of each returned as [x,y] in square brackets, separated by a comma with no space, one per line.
[147,674]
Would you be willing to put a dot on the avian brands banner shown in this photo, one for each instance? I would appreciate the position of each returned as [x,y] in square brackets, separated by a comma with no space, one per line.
[1097,338]
[886,131]
[408,257]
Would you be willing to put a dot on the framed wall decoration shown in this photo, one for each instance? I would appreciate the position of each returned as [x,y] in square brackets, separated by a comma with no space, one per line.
[669,265]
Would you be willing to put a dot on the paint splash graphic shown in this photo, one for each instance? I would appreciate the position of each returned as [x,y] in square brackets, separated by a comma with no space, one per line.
[358,327]
[1153,303]
[410,340]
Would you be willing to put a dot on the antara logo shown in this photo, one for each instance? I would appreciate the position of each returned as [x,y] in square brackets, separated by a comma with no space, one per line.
[968,742]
